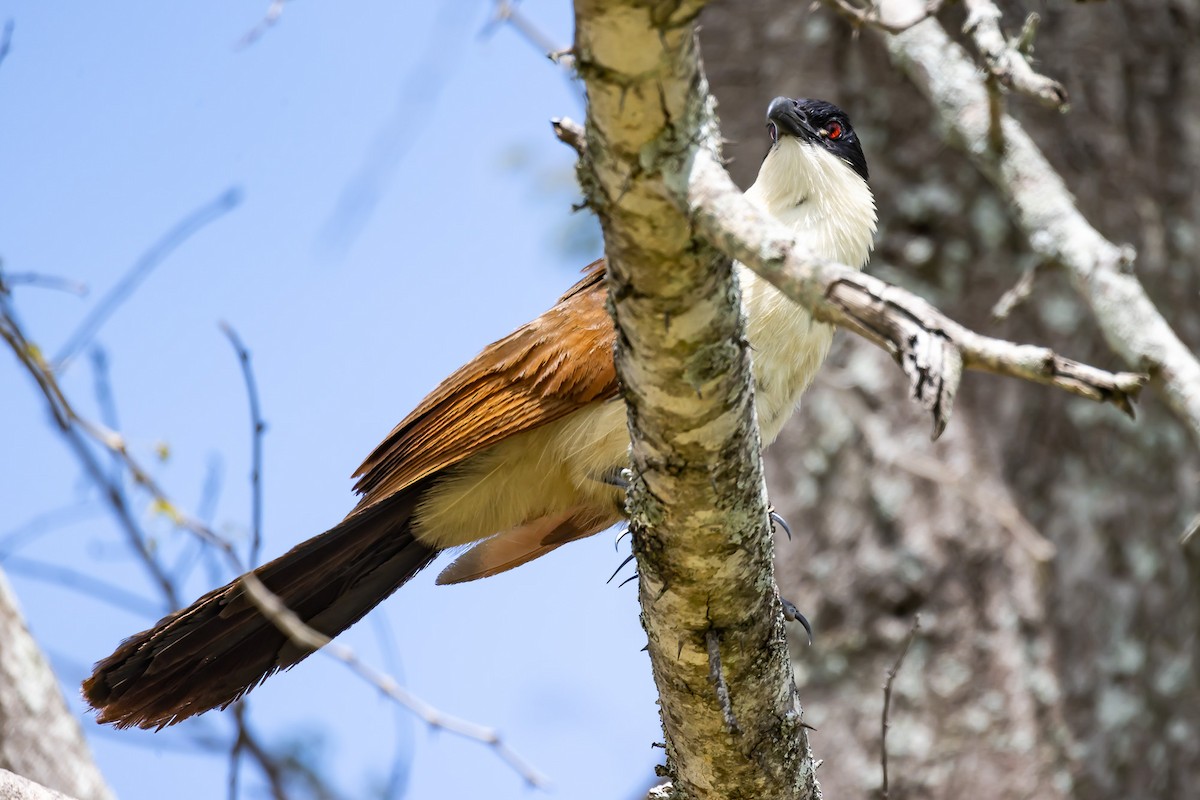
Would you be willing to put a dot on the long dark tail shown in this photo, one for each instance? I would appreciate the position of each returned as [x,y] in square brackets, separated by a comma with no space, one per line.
[219,648]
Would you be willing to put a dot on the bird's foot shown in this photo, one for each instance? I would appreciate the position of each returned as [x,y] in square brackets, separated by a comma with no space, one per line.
[773,515]
[620,566]
[619,477]
[792,614]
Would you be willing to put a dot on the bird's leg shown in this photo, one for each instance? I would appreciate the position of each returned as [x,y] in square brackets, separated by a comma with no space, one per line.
[619,477]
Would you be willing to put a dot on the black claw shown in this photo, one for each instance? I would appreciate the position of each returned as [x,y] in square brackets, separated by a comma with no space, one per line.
[632,577]
[618,569]
[780,521]
[792,614]
[624,532]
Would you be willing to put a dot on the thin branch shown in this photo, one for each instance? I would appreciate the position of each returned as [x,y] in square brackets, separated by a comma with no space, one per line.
[306,637]
[81,582]
[870,17]
[35,279]
[180,233]
[930,347]
[508,12]
[1045,211]
[77,430]
[419,91]
[42,524]
[1008,60]
[887,702]
[6,39]
[1190,531]
[257,428]
[1018,294]
[273,766]
[269,20]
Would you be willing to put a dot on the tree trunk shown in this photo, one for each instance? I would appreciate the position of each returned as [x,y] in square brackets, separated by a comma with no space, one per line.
[39,738]
[1040,539]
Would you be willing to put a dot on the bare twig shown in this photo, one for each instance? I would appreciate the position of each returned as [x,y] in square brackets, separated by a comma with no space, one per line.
[869,15]
[274,12]
[6,39]
[931,348]
[887,701]
[306,637]
[1190,531]
[418,93]
[1008,60]
[77,288]
[181,232]
[41,524]
[79,431]
[1018,294]
[273,766]
[508,12]
[1046,213]
[82,582]
[257,428]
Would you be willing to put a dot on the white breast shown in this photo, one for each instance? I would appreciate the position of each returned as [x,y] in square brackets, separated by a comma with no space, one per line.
[832,212]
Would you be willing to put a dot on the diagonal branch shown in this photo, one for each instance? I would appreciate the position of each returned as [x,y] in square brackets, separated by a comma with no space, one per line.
[1008,60]
[1046,213]
[931,348]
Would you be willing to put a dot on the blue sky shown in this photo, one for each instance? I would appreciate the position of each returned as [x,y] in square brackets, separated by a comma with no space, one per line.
[402,203]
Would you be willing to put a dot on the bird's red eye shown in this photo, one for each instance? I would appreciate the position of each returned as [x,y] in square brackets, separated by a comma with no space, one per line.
[833,130]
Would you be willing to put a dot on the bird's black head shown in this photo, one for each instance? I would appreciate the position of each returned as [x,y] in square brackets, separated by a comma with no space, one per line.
[820,123]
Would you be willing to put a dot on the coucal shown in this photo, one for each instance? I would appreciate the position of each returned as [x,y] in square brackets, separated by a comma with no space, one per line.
[512,454]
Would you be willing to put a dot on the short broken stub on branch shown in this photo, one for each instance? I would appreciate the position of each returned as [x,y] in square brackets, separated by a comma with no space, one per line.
[933,351]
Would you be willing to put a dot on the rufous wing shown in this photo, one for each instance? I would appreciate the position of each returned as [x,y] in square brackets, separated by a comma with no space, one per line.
[539,373]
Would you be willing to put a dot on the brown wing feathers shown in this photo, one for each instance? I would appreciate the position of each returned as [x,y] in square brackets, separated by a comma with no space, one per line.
[541,372]
[211,653]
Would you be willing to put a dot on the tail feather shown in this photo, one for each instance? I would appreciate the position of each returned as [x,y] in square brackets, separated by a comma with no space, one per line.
[210,654]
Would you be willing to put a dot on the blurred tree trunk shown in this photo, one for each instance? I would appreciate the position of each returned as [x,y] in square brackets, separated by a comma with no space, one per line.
[1040,539]
[39,738]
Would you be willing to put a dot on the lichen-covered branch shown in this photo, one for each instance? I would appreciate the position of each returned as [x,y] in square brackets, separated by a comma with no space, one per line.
[697,501]
[1007,60]
[930,347]
[1046,213]
[39,737]
[868,15]
[15,787]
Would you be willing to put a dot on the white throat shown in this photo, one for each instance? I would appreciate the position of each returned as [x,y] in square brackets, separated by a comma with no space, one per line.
[831,210]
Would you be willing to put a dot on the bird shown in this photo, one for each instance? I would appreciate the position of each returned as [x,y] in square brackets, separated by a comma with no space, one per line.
[515,454]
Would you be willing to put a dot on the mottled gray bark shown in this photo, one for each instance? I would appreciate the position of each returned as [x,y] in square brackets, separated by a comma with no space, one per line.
[14,787]
[1040,537]
[39,739]
[697,502]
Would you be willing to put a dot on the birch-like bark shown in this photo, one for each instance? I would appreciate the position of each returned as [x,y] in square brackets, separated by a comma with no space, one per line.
[697,502]
[14,787]
[39,739]
[1045,211]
